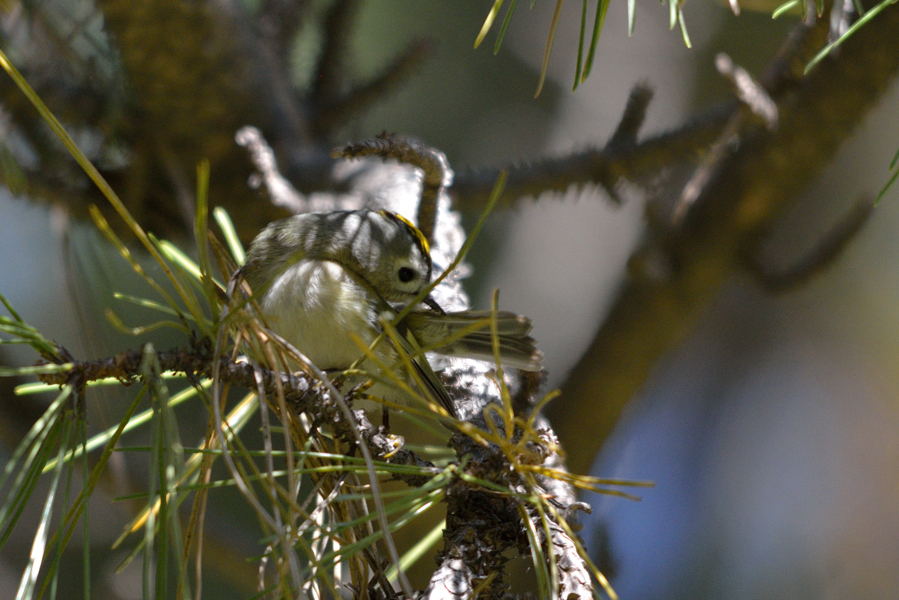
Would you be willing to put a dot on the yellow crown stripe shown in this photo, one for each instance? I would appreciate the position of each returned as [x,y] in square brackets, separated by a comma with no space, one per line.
[422,240]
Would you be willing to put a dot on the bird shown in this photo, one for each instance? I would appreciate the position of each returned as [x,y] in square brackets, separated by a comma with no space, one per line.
[326,281]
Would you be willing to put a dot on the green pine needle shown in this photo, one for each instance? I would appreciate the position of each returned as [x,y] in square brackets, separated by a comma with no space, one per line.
[849,32]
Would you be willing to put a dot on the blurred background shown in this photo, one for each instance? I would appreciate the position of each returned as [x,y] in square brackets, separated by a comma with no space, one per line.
[771,434]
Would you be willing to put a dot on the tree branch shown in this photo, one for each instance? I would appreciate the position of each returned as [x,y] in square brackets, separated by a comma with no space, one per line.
[823,255]
[747,193]
[302,393]
[621,158]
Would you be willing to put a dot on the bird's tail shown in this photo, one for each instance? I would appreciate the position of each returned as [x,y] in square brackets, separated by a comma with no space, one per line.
[468,334]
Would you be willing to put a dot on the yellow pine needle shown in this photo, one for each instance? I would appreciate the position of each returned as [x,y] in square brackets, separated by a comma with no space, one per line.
[488,22]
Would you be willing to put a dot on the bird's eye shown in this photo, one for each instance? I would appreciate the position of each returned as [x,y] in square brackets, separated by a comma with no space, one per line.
[405,274]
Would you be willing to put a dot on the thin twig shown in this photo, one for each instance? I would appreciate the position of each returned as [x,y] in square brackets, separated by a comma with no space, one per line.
[606,166]
[750,92]
[433,164]
[335,112]
[822,256]
[633,117]
[756,101]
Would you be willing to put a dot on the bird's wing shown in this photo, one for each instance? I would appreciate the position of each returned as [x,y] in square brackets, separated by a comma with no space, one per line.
[467,334]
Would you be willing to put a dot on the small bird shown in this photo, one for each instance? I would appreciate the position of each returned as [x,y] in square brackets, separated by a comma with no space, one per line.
[321,278]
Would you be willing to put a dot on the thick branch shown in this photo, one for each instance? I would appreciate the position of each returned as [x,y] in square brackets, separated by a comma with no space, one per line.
[332,64]
[749,190]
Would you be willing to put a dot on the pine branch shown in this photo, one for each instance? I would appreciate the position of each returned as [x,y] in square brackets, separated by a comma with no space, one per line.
[302,393]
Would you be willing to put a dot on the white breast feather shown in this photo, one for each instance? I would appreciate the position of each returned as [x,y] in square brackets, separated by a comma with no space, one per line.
[314,305]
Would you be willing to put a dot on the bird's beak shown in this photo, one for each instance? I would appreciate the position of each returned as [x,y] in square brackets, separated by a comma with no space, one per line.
[430,302]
